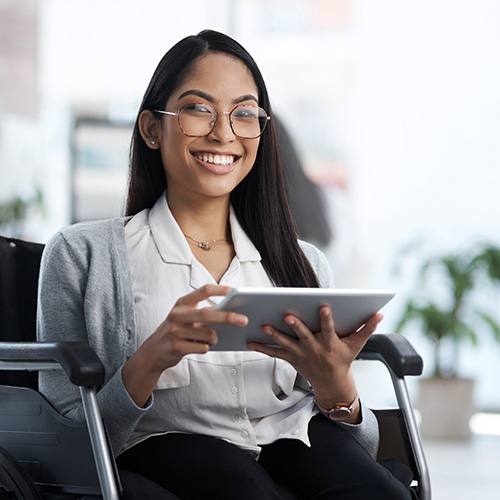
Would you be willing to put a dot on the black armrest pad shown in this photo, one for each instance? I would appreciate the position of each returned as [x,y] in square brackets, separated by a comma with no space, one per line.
[396,352]
[81,364]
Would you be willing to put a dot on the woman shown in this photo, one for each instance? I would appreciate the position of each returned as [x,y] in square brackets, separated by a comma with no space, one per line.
[207,211]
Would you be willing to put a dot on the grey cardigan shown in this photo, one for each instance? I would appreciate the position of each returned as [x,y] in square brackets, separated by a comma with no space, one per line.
[86,294]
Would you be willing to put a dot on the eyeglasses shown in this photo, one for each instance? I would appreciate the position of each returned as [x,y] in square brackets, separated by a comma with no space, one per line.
[198,120]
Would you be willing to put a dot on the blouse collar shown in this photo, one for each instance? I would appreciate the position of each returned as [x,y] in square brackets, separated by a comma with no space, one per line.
[172,244]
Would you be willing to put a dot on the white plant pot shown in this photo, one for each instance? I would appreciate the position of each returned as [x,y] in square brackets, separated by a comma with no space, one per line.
[447,406]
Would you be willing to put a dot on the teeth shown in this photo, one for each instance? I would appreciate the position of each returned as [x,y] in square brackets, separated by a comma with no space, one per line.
[216,159]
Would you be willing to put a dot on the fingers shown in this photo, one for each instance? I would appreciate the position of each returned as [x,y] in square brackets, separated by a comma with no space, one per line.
[358,339]
[326,338]
[191,329]
[186,311]
[206,291]
[274,352]
[327,331]
[288,346]
[304,336]
[206,315]
[371,325]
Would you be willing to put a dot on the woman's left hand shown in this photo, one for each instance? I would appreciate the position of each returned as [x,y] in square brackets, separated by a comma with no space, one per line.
[323,359]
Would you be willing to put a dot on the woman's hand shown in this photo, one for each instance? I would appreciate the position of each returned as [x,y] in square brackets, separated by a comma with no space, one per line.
[184,331]
[323,359]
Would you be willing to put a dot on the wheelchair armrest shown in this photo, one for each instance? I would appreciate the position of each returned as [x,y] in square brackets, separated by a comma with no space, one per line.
[395,351]
[81,364]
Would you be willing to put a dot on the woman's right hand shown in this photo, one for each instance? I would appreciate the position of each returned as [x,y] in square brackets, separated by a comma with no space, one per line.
[184,331]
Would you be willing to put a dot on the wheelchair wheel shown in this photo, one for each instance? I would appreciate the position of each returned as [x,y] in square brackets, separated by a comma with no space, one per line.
[14,483]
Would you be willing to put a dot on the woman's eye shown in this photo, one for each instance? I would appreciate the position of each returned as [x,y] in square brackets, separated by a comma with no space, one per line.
[201,108]
[198,109]
[245,112]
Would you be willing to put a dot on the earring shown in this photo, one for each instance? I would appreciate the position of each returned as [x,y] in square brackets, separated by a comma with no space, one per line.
[152,143]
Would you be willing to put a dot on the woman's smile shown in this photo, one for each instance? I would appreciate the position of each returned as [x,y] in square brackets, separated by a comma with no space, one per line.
[217,163]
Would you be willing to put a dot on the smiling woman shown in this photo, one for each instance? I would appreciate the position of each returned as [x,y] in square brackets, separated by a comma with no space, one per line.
[207,211]
[200,132]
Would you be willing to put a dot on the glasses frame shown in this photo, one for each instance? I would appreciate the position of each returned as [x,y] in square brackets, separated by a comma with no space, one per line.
[216,113]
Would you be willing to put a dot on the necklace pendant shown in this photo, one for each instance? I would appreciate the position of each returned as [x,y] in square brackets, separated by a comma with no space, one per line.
[205,246]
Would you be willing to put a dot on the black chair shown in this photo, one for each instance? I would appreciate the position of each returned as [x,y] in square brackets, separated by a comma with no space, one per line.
[45,455]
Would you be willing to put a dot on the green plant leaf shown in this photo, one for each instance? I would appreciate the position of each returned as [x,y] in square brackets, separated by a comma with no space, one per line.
[443,307]
[489,261]
[491,322]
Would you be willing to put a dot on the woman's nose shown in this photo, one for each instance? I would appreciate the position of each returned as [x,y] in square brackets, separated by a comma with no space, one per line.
[222,131]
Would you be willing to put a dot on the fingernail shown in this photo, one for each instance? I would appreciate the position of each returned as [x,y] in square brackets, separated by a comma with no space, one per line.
[241,320]
[267,331]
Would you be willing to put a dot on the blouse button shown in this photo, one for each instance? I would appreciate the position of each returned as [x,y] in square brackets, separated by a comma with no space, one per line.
[244,434]
[233,372]
[234,390]
[238,418]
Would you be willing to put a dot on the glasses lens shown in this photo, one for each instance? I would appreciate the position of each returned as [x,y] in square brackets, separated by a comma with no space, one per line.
[196,120]
[248,121]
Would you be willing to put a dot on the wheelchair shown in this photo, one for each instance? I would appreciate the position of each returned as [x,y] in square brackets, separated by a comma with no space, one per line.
[44,455]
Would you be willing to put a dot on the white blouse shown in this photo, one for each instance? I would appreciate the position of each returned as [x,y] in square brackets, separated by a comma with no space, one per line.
[246,398]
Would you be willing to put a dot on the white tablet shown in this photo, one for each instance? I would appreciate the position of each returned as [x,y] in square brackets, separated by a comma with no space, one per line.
[351,309]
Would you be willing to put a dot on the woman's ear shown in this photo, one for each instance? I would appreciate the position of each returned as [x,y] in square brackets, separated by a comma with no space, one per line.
[150,129]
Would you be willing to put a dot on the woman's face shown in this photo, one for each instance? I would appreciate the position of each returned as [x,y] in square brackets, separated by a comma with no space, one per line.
[210,166]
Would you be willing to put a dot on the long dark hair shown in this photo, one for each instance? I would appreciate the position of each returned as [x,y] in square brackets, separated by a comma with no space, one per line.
[260,200]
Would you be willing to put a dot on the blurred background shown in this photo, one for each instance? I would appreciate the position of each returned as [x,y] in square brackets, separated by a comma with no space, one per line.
[392,107]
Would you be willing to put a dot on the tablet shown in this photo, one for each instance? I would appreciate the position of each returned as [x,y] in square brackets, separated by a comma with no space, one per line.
[351,309]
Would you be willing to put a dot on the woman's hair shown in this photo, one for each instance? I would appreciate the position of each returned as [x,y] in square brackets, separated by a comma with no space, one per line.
[260,201]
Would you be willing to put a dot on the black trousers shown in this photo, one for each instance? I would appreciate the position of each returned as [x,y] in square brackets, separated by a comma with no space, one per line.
[335,467]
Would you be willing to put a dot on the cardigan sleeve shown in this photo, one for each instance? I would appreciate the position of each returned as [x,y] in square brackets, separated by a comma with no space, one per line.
[71,309]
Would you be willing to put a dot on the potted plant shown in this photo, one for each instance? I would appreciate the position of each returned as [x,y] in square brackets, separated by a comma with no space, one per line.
[446,307]
[15,211]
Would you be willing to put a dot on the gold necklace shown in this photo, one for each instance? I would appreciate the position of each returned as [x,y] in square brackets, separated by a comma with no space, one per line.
[205,245]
